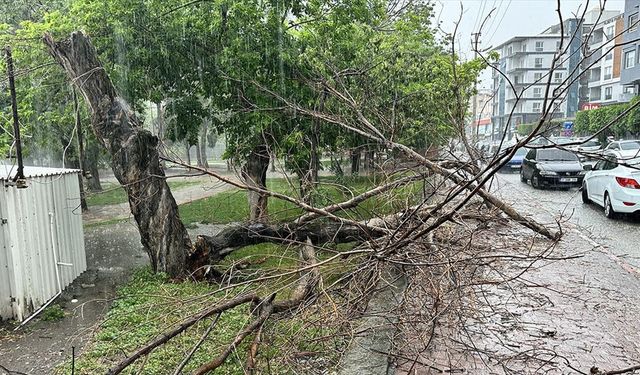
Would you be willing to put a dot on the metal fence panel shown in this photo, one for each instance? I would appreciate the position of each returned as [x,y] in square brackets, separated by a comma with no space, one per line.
[42,242]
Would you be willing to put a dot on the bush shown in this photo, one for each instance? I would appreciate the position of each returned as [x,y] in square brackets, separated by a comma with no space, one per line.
[591,121]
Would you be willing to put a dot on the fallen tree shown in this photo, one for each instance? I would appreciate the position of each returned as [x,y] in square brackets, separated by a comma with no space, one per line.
[136,165]
[134,155]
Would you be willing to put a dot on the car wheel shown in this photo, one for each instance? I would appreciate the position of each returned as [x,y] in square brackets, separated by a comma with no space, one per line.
[522,178]
[608,209]
[585,195]
[535,182]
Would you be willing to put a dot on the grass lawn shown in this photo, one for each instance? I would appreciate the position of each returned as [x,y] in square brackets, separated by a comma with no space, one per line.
[115,194]
[232,206]
[150,304]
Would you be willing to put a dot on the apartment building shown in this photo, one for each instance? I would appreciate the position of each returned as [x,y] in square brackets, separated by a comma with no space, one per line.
[482,106]
[630,73]
[603,63]
[525,65]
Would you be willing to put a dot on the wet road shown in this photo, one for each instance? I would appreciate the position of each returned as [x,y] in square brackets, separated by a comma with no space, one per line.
[621,236]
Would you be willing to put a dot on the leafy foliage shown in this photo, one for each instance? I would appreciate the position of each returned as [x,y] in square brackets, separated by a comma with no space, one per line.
[592,121]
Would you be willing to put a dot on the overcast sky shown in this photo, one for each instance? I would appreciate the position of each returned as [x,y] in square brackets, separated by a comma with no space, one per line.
[510,18]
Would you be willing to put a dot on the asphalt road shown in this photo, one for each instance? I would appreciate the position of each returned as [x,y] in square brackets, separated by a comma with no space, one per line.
[620,236]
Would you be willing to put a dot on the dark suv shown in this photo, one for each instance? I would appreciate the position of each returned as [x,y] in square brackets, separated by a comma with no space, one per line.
[551,167]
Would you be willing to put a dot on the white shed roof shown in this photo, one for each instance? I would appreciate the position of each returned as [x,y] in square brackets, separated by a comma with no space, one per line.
[9,171]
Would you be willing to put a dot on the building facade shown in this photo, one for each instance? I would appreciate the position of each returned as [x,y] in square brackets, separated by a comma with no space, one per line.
[630,73]
[482,107]
[525,73]
[603,63]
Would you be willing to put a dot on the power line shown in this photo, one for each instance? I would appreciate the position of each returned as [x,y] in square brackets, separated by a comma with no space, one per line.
[501,19]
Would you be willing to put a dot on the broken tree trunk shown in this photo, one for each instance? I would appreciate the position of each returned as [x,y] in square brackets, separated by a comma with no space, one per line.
[134,155]
[212,249]
[254,173]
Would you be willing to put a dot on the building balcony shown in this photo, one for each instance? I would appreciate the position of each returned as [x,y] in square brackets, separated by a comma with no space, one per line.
[533,68]
[625,97]
[526,98]
[543,82]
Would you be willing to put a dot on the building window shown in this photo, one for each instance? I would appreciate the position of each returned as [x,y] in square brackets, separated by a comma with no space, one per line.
[524,48]
[608,93]
[539,46]
[557,45]
[516,80]
[629,90]
[536,107]
[609,32]
[537,77]
[633,23]
[557,77]
[607,72]
[609,56]
[537,92]
[538,62]
[510,51]
[630,59]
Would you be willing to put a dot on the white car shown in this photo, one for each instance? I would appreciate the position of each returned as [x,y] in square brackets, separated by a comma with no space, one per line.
[613,184]
[628,148]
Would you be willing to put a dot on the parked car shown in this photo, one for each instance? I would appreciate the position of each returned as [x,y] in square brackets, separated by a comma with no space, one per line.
[552,167]
[562,140]
[613,184]
[515,163]
[629,149]
[588,149]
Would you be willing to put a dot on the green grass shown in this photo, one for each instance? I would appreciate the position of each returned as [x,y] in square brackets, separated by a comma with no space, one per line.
[232,206]
[150,304]
[52,313]
[115,194]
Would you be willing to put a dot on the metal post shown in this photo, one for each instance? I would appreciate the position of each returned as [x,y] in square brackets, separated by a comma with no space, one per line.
[476,37]
[19,178]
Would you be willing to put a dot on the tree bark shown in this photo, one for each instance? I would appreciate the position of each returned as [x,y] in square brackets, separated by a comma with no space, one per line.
[203,143]
[199,155]
[369,162]
[161,129]
[92,157]
[134,155]
[355,161]
[187,150]
[254,173]
[212,249]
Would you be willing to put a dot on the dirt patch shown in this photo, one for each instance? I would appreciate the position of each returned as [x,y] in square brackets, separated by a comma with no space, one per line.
[112,253]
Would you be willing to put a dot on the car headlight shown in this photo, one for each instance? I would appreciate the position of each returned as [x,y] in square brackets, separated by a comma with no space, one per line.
[547,173]
[582,173]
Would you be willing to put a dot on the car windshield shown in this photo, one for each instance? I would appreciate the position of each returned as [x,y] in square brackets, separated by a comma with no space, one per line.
[521,152]
[556,155]
[633,145]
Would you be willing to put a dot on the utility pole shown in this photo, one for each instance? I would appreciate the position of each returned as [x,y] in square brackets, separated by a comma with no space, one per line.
[19,178]
[476,42]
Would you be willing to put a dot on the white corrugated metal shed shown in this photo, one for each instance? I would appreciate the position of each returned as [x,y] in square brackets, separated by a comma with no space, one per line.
[41,238]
